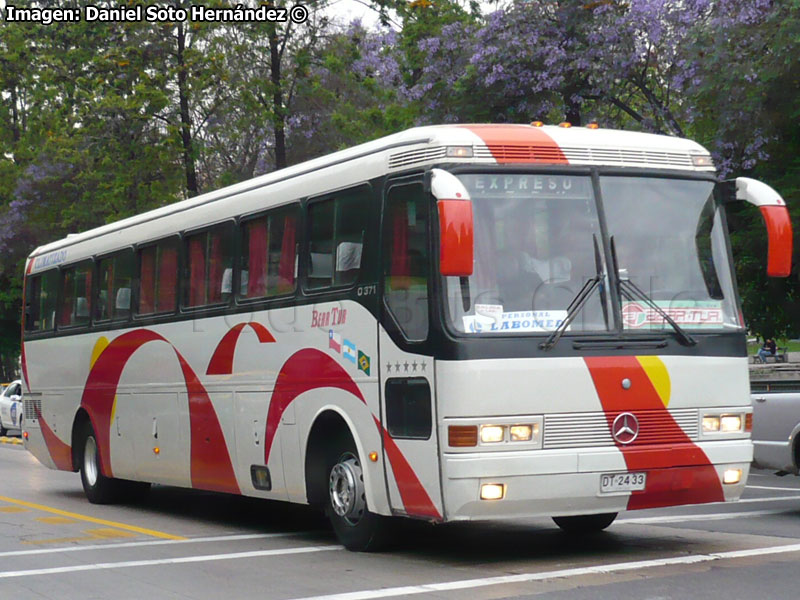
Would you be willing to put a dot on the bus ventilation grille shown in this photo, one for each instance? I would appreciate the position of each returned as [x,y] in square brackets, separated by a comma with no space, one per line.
[31,406]
[578,430]
[590,156]
[416,157]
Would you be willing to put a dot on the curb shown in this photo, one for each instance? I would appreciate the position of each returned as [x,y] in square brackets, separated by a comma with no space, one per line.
[10,440]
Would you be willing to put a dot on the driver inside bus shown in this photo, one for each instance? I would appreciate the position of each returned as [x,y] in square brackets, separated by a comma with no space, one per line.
[520,272]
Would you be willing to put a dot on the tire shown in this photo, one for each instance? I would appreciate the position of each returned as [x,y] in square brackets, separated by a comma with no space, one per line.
[98,488]
[585,523]
[358,529]
[3,430]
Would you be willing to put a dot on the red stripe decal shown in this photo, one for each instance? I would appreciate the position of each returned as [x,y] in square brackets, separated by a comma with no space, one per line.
[519,144]
[678,473]
[311,369]
[211,466]
[60,452]
[221,362]
[415,499]
[24,362]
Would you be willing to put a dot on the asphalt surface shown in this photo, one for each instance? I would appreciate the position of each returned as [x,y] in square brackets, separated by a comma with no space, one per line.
[181,544]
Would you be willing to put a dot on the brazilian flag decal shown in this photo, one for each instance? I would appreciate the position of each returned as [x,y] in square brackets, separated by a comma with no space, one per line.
[363,362]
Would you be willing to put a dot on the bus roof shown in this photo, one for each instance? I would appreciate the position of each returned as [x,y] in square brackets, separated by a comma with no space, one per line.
[421,146]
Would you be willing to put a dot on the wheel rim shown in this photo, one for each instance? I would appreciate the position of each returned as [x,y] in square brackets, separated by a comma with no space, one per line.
[90,461]
[347,489]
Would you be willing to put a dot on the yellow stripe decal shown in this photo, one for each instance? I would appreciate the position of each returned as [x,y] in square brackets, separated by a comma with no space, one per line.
[658,375]
[100,345]
[64,513]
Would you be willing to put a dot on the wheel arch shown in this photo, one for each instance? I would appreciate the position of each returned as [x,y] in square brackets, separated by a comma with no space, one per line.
[328,427]
[78,424]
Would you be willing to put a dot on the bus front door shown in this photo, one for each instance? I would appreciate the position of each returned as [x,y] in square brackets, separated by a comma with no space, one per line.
[406,373]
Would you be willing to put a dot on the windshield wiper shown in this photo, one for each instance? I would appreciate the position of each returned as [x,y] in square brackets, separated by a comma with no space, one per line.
[578,301]
[631,291]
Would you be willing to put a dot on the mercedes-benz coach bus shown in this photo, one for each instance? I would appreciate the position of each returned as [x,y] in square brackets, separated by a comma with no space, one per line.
[451,323]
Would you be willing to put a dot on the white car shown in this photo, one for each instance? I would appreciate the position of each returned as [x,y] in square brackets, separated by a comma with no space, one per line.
[11,407]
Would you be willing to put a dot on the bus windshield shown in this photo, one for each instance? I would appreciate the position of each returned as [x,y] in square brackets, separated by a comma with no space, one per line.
[538,241]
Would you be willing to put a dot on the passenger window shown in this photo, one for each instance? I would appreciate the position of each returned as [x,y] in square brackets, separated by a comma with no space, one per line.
[76,295]
[406,258]
[158,278]
[209,266]
[40,301]
[114,287]
[337,228]
[269,254]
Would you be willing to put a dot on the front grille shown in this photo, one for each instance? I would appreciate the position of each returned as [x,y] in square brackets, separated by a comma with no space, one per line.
[582,430]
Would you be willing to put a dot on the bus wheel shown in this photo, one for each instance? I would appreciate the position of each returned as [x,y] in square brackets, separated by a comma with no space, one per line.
[356,527]
[98,488]
[585,523]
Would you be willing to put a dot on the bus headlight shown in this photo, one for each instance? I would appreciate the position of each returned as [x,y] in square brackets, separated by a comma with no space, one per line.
[724,423]
[710,424]
[523,433]
[730,423]
[491,434]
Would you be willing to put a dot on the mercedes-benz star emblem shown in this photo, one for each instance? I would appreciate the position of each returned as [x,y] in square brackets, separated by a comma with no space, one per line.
[625,428]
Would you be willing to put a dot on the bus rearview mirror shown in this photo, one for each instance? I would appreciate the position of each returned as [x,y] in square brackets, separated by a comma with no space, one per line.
[776,217]
[456,235]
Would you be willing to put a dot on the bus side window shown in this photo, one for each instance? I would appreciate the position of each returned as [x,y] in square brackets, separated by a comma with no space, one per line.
[337,229]
[40,299]
[269,254]
[158,278]
[114,288]
[76,294]
[209,255]
[406,258]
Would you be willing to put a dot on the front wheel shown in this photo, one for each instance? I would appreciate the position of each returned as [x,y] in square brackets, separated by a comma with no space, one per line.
[357,528]
[98,488]
[585,523]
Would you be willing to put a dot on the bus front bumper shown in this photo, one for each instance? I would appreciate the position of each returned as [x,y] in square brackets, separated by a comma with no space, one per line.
[562,483]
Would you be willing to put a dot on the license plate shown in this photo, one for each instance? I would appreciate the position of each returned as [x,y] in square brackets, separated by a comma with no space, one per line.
[622,482]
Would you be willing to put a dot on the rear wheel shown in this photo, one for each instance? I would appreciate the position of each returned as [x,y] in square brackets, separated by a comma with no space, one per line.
[98,488]
[585,523]
[357,528]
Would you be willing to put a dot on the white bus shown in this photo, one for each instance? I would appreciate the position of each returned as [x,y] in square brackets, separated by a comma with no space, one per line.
[451,323]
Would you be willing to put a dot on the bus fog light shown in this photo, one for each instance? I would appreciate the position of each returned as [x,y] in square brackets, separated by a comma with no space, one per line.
[491,434]
[730,423]
[493,491]
[522,433]
[710,423]
[731,476]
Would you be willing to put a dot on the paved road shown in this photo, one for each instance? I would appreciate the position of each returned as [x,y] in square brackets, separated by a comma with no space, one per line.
[189,545]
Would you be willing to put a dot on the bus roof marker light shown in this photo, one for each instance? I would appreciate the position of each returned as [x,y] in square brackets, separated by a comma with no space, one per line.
[702,160]
[537,124]
[459,152]
[592,125]
[565,124]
